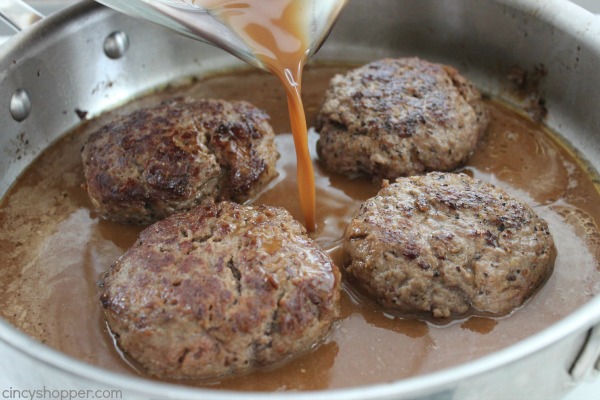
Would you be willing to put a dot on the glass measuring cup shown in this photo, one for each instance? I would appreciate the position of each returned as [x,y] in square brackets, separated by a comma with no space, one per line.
[190,19]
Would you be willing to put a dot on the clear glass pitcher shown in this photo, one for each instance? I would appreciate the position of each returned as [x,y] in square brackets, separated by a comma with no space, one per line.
[188,18]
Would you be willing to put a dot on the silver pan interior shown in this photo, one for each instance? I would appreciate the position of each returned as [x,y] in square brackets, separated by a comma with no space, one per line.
[68,66]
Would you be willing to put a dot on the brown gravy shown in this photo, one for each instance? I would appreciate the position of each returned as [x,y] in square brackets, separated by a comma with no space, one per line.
[54,248]
[279,35]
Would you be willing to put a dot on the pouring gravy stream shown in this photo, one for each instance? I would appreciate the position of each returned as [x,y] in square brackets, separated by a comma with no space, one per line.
[279,34]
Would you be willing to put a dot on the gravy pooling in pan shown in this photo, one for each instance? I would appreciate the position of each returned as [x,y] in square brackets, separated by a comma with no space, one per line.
[54,248]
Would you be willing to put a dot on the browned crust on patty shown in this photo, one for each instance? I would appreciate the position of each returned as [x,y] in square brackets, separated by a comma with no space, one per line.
[447,245]
[220,290]
[399,117]
[157,161]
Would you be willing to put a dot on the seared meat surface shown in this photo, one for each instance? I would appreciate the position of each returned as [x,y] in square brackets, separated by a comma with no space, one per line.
[219,290]
[157,161]
[447,245]
[399,117]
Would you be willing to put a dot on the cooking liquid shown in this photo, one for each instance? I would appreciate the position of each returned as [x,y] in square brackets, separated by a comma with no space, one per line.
[279,34]
[54,248]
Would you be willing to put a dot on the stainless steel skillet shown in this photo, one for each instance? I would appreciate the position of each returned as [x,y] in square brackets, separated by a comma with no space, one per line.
[87,59]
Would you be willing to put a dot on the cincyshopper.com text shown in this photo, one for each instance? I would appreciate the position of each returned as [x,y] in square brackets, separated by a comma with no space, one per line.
[59,394]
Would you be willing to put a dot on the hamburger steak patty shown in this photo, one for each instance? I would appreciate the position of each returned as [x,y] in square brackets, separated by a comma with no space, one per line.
[446,245]
[220,289]
[157,161]
[399,117]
